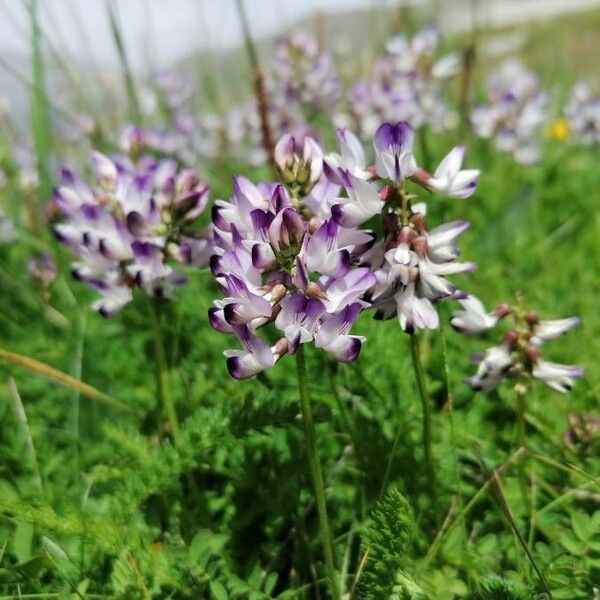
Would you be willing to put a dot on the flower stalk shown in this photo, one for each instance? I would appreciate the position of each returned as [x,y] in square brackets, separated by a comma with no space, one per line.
[260,90]
[521,393]
[316,472]
[163,387]
[415,353]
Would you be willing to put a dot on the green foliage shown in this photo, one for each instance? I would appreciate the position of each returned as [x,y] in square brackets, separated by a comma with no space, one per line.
[388,538]
[111,505]
[496,588]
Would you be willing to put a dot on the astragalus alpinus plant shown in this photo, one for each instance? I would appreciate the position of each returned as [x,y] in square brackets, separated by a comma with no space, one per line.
[411,262]
[127,227]
[292,255]
[518,358]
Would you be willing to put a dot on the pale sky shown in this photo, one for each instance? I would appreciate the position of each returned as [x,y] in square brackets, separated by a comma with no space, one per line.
[176,26]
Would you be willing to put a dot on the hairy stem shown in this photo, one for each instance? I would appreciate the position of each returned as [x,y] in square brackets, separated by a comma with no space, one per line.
[426,406]
[163,388]
[522,443]
[316,473]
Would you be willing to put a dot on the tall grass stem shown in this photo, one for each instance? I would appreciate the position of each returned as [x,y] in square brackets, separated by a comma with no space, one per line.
[115,27]
[40,114]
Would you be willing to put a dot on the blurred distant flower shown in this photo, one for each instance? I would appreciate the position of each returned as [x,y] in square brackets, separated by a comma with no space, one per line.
[582,112]
[301,83]
[304,73]
[406,85]
[582,433]
[515,113]
[559,130]
[518,357]
[129,223]
[8,232]
[42,269]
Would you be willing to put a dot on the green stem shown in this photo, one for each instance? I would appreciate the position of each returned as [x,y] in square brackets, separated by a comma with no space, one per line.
[522,443]
[422,388]
[163,388]
[316,473]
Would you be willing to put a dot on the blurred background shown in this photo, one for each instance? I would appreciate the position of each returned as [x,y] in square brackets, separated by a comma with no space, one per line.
[206,35]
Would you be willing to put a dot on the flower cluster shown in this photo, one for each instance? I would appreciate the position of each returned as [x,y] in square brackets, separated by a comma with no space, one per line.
[406,85]
[410,262]
[281,259]
[515,113]
[583,114]
[304,74]
[518,356]
[302,81]
[293,254]
[128,224]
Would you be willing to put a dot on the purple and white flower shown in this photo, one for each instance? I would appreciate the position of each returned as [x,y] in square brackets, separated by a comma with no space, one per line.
[137,214]
[473,318]
[515,113]
[407,84]
[518,357]
[450,179]
[283,261]
[583,114]
[411,263]
[394,151]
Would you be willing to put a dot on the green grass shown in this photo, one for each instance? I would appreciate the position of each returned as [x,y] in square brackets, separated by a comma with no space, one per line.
[226,510]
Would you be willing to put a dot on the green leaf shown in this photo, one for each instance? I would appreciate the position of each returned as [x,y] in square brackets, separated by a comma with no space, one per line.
[571,543]
[218,591]
[22,541]
[205,545]
[582,526]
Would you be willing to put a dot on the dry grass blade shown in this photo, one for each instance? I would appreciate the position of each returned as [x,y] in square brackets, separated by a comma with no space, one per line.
[49,372]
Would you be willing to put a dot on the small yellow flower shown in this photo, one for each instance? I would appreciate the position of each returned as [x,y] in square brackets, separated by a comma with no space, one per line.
[559,130]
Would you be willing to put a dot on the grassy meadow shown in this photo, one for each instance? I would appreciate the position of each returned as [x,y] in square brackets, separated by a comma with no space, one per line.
[98,499]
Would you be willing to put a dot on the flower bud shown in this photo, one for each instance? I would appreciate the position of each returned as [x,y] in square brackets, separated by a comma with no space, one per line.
[532,353]
[105,170]
[186,181]
[502,310]
[286,233]
[133,141]
[387,193]
[299,162]
[418,220]
[510,338]
[419,245]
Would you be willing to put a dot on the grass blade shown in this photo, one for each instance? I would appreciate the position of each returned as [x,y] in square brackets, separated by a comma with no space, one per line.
[49,372]
[115,27]
[40,114]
